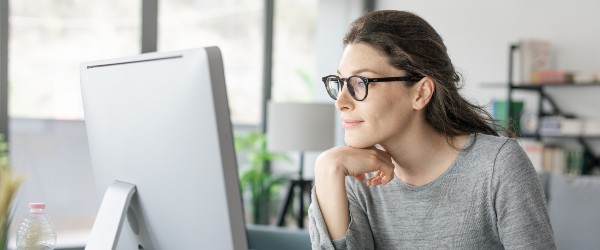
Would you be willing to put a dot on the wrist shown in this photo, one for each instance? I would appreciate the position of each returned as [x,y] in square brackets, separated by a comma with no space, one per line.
[327,168]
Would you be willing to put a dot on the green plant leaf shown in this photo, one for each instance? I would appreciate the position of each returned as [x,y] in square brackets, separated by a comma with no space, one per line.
[261,183]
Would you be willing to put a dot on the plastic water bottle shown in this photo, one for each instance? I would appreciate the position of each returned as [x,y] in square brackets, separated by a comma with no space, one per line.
[36,232]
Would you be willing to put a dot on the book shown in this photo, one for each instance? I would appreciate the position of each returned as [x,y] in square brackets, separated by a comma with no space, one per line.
[534,151]
[554,160]
[535,55]
[501,117]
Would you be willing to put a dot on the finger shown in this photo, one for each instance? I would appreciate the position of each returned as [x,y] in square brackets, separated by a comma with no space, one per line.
[386,170]
[382,177]
[374,181]
[370,180]
[387,178]
[386,174]
[376,178]
[383,161]
[359,177]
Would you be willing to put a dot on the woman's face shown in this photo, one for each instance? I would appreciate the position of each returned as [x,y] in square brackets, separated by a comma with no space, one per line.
[386,112]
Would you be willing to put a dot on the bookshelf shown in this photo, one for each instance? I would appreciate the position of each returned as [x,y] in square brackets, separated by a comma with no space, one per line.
[590,159]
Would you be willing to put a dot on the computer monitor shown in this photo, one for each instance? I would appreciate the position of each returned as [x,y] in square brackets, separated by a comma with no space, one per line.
[161,146]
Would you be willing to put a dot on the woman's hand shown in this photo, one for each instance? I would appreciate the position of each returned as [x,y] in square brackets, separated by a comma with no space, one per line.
[331,169]
[357,162]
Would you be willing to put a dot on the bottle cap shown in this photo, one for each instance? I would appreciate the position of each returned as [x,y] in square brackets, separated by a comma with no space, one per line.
[37,205]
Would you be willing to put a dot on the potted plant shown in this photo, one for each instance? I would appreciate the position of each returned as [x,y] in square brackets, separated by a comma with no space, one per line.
[8,188]
[256,180]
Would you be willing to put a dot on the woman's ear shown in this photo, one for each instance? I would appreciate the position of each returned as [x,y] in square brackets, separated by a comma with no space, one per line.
[423,93]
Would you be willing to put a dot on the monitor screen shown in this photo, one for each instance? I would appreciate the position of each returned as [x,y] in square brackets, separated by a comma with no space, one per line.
[160,123]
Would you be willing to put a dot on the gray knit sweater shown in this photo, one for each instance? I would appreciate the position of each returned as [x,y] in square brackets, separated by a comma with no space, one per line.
[489,198]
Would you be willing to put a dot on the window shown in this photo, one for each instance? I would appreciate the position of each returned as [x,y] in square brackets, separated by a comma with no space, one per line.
[294,54]
[49,39]
[236,27]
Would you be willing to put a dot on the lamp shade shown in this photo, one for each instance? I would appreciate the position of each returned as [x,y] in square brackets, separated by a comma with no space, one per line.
[300,126]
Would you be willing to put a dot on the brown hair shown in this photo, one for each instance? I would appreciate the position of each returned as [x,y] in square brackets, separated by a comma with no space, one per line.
[413,45]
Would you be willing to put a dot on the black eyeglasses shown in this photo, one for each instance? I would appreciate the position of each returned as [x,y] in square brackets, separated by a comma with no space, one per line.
[358,86]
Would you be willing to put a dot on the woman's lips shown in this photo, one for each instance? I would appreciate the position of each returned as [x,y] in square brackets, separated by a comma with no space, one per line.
[351,123]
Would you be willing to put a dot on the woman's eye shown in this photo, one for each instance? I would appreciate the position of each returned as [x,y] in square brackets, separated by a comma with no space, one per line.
[362,84]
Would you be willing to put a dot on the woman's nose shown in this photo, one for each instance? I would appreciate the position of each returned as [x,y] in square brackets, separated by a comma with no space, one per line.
[344,99]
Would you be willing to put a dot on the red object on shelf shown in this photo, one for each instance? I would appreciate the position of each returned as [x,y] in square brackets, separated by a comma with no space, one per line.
[551,76]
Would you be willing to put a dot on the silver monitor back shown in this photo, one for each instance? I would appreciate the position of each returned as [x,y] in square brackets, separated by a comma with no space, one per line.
[160,121]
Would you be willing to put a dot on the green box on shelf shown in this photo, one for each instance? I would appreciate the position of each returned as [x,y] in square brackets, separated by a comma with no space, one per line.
[500,114]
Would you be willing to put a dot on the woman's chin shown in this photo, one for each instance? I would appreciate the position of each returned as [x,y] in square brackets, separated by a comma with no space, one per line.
[358,142]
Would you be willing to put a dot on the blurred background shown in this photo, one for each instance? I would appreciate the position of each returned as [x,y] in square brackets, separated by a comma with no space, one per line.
[277,51]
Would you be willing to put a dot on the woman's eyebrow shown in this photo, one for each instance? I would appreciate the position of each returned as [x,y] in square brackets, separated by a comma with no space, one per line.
[359,71]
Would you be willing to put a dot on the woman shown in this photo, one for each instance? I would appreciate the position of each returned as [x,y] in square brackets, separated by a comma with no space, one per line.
[423,168]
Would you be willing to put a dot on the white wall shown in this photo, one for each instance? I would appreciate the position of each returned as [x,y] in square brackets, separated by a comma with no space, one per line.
[478,35]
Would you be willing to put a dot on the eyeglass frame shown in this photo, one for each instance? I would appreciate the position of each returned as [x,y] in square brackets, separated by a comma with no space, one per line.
[367,81]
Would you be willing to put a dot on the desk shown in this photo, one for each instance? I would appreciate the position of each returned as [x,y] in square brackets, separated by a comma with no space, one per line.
[72,234]
[260,237]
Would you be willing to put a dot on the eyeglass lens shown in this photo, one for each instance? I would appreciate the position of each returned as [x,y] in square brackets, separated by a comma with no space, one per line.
[357,87]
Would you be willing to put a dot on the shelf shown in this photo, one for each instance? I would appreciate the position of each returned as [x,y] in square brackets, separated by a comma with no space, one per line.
[554,85]
[533,136]
[592,160]
[537,86]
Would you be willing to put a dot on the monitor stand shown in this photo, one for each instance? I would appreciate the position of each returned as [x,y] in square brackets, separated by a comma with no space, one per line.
[109,221]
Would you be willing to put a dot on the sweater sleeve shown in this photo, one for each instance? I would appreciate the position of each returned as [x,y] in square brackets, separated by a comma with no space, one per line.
[519,202]
[358,236]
